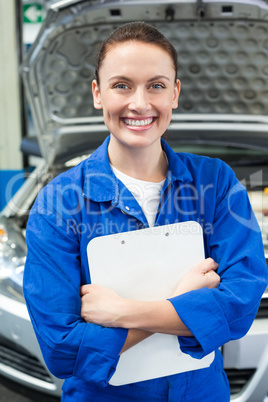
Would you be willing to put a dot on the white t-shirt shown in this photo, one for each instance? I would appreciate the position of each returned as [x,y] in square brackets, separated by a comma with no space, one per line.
[146,193]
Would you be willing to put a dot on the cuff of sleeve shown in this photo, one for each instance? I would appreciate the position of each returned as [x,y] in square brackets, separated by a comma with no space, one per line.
[191,346]
[98,354]
[202,315]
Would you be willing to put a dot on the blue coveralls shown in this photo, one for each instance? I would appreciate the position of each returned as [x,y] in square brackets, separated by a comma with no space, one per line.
[89,201]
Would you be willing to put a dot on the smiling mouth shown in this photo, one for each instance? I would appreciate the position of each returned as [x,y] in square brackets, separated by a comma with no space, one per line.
[138,123]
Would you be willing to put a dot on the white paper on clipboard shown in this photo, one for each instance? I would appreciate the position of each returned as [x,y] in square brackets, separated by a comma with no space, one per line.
[147,264]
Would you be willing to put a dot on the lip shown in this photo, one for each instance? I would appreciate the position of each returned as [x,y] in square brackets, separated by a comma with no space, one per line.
[139,128]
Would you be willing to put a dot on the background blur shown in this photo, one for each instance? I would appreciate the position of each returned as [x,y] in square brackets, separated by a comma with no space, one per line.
[20,22]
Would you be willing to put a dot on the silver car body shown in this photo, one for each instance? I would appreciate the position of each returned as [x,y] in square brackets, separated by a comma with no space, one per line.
[223,52]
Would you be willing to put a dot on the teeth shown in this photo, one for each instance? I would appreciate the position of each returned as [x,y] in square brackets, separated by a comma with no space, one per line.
[145,122]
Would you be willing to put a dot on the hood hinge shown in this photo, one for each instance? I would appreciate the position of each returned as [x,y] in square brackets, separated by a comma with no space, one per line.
[200,9]
[170,13]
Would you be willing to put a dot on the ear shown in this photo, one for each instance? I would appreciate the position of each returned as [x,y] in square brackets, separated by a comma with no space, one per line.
[176,94]
[96,95]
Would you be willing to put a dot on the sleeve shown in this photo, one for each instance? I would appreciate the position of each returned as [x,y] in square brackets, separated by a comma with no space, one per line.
[216,316]
[52,279]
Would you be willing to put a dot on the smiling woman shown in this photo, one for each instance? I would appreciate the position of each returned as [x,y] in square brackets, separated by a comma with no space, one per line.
[135,180]
[137,104]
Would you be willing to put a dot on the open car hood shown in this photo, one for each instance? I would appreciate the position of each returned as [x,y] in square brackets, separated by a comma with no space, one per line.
[223,53]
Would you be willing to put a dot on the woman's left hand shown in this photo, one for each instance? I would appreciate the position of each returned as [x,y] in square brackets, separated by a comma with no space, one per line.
[100,305]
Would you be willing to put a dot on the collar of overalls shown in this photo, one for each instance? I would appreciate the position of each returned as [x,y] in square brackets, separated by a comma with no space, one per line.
[101,185]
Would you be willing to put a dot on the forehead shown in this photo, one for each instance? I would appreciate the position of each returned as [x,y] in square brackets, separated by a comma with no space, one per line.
[132,56]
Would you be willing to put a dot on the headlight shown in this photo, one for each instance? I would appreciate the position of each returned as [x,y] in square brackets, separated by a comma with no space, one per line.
[12,259]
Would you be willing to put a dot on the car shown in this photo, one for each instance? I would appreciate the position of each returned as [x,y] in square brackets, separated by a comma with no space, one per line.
[223,109]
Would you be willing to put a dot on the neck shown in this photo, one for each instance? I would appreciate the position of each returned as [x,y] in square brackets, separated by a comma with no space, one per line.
[146,163]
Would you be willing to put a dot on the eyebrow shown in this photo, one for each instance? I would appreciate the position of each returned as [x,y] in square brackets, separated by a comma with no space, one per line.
[159,77]
[124,78]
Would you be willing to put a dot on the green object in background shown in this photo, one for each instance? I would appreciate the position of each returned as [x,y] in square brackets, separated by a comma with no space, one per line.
[33,13]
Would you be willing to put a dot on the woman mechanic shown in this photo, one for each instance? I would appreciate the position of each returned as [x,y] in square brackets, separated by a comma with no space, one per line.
[135,180]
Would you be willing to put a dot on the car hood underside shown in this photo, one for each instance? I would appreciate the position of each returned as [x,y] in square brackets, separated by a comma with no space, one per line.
[222,55]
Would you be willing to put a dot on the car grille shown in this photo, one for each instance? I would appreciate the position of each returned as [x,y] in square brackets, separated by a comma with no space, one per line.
[263,309]
[21,360]
[238,378]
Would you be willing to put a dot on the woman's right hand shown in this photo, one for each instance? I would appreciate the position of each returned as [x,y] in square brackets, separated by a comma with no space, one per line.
[200,276]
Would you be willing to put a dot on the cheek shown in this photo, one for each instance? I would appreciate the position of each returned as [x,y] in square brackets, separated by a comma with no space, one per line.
[166,106]
[112,108]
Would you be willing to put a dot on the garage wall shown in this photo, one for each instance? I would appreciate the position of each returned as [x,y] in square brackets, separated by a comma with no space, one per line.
[11,163]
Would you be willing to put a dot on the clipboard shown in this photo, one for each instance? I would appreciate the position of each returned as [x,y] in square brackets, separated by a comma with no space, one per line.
[146,265]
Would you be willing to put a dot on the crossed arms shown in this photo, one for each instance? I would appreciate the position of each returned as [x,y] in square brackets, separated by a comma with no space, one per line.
[103,306]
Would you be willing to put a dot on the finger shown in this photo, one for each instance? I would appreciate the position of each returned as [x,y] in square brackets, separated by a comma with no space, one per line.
[210,264]
[215,266]
[84,290]
[214,279]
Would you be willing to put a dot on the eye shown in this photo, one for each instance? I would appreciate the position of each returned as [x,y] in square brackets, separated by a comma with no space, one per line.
[158,86]
[120,86]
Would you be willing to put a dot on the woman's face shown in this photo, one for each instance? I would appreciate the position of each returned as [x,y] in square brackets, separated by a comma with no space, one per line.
[137,92]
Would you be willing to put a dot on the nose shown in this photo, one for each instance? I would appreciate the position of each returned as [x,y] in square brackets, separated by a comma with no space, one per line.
[139,101]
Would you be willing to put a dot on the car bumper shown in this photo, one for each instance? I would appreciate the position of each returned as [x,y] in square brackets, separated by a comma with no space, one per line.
[20,356]
[245,360]
[246,364]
